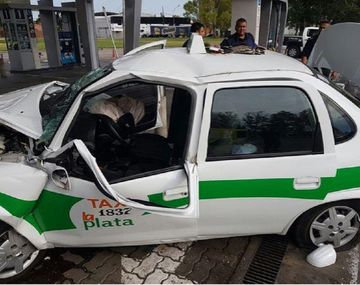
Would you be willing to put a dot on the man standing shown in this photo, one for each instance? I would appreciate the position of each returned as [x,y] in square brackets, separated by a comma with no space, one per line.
[324,24]
[240,37]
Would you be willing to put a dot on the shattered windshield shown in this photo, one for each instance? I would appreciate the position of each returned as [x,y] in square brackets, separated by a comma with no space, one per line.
[54,106]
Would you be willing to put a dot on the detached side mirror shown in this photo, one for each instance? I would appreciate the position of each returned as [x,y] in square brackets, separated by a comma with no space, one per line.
[60,177]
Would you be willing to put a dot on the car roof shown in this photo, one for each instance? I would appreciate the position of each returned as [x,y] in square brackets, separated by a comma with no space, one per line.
[177,62]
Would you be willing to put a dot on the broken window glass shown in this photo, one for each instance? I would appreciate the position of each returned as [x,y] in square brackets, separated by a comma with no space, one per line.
[53,107]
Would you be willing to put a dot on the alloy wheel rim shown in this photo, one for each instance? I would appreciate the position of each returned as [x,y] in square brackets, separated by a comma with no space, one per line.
[292,52]
[337,225]
[16,254]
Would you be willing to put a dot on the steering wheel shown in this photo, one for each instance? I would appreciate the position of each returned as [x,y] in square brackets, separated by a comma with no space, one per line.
[126,123]
[112,129]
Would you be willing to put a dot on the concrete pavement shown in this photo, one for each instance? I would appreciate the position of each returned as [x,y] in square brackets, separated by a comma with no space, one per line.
[211,261]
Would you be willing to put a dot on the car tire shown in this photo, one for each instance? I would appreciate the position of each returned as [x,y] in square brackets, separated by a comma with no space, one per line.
[293,51]
[18,256]
[334,223]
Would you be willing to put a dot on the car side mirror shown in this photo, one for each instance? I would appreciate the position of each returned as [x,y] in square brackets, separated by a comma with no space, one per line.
[60,177]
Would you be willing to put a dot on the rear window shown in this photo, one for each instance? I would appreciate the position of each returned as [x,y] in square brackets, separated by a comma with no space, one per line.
[343,126]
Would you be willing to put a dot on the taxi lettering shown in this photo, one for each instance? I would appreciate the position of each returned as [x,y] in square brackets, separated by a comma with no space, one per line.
[103,203]
[91,222]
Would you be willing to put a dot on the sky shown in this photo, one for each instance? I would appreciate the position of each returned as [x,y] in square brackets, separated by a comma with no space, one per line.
[171,7]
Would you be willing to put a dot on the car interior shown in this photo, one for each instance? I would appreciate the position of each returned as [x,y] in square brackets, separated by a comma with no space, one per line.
[126,132]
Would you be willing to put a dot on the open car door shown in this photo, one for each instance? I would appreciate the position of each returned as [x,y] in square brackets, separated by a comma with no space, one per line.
[154,45]
[188,210]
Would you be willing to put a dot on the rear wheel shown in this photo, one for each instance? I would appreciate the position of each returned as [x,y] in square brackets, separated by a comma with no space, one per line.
[293,51]
[17,254]
[336,224]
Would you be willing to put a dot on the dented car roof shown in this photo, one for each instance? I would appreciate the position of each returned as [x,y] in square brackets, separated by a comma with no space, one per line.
[177,62]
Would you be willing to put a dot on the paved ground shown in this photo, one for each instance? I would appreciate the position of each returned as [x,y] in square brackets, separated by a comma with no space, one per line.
[211,261]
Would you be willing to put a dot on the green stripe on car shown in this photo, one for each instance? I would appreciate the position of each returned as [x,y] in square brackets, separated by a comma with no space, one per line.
[345,178]
[52,210]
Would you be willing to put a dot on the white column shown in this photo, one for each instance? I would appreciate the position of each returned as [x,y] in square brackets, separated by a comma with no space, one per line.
[248,9]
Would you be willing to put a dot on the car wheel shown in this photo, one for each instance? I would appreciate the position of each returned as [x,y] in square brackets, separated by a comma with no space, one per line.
[293,51]
[17,255]
[336,224]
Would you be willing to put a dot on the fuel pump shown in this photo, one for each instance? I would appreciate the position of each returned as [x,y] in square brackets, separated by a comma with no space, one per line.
[20,38]
[68,40]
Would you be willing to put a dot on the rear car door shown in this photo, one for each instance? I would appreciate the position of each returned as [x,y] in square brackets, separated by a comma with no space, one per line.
[265,156]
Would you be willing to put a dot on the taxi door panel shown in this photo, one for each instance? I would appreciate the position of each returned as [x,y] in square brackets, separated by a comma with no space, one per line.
[247,184]
[154,207]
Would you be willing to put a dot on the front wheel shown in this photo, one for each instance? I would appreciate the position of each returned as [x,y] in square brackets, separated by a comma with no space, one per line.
[336,224]
[17,255]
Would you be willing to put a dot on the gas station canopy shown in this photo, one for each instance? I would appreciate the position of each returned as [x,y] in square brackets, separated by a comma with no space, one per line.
[69,30]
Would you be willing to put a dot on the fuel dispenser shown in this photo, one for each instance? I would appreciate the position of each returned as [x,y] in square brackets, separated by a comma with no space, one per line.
[18,25]
[68,39]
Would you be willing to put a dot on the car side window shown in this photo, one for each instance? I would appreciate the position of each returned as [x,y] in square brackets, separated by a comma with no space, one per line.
[262,122]
[343,126]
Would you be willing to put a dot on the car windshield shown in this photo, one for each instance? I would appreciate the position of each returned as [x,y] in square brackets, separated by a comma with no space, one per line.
[54,106]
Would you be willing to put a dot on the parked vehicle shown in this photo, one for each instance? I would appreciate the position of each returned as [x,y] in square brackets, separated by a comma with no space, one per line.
[295,44]
[166,146]
[147,30]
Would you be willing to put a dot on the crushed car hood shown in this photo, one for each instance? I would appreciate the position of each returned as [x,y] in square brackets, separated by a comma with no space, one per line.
[337,49]
[20,110]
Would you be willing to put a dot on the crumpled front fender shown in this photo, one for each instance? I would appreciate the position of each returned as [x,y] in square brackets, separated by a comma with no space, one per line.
[20,189]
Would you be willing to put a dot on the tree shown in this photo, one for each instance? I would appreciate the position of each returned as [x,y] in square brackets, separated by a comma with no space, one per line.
[191,9]
[223,20]
[304,13]
[208,13]
[214,14]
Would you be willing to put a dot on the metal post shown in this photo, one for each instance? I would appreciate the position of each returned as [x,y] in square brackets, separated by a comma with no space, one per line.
[132,18]
[51,38]
[282,25]
[111,34]
[85,11]
[266,6]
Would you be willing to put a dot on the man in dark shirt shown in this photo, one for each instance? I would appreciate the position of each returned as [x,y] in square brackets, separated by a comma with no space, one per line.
[240,37]
[309,46]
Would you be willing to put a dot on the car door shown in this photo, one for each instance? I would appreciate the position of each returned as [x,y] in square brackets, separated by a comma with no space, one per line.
[149,46]
[266,152]
[158,207]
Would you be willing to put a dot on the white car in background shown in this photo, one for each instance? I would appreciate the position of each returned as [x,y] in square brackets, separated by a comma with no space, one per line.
[168,145]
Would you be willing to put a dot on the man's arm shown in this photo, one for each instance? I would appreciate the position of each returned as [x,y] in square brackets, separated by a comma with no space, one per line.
[225,43]
[253,44]
[307,51]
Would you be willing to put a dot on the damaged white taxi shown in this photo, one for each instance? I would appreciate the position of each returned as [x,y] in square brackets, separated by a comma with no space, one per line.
[169,145]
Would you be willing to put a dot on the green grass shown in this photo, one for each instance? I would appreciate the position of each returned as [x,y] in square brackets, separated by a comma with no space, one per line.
[107,43]
[2,45]
[171,42]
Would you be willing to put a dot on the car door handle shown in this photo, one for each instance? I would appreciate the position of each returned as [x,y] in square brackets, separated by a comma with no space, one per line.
[176,193]
[307,183]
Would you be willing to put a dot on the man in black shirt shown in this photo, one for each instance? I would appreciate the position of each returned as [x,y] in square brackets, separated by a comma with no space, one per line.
[311,42]
[240,37]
